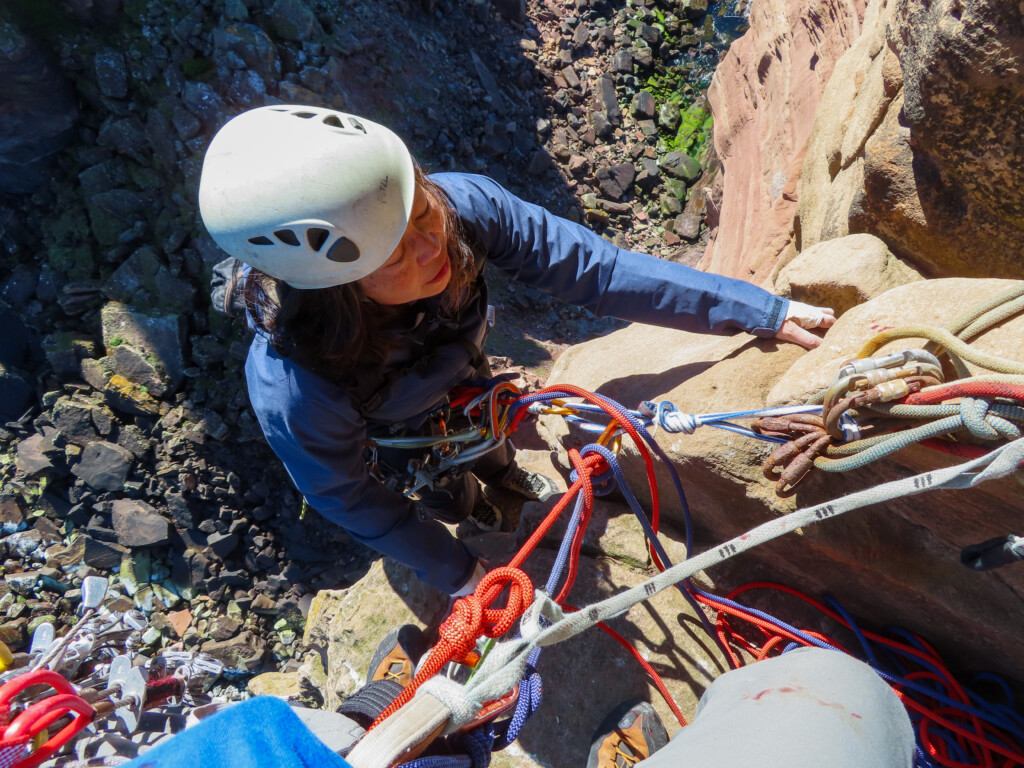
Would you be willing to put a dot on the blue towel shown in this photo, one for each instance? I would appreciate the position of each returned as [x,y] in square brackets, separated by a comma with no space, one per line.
[262,732]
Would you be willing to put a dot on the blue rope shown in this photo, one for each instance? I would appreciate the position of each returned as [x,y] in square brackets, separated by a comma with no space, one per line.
[530,694]
[441,761]
[685,586]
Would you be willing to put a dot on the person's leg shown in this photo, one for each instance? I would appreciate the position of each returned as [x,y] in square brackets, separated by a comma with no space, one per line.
[805,709]
[492,467]
[453,499]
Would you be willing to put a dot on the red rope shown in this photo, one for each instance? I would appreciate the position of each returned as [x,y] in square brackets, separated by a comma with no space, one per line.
[975,737]
[655,677]
[933,395]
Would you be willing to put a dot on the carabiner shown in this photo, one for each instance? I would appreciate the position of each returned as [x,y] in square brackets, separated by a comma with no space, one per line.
[39,717]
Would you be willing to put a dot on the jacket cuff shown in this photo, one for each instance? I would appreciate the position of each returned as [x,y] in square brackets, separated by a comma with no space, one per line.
[774,317]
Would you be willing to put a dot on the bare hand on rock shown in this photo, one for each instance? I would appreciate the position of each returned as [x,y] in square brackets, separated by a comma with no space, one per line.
[799,318]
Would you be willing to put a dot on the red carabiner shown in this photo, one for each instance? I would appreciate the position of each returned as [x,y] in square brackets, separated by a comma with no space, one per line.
[14,687]
[39,717]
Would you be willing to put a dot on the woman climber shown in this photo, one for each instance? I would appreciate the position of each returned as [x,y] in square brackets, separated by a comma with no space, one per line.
[365,289]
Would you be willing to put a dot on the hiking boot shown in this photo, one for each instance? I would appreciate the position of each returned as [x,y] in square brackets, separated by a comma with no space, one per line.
[396,655]
[485,516]
[631,733]
[531,485]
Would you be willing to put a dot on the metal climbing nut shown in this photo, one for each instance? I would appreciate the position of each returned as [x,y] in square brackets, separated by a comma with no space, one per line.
[42,639]
[94,590]
[800,467]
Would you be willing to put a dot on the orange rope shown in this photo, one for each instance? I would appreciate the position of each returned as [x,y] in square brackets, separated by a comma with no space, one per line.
[471,618]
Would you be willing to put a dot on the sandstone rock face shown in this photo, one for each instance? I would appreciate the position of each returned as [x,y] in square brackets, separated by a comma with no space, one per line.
[843,273]
[919,139]
[763,97]
[896,563]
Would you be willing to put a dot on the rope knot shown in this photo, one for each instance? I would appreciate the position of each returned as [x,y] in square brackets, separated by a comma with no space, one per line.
[496,622]
[459,632]
[672,420]
[974,412]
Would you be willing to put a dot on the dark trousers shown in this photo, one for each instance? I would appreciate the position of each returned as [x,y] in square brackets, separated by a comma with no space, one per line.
[453,499]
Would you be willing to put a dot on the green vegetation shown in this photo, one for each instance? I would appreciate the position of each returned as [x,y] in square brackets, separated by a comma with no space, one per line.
[116,341]
[694,133]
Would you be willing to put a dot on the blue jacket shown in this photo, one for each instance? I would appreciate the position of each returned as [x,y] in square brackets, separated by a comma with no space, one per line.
[317,429]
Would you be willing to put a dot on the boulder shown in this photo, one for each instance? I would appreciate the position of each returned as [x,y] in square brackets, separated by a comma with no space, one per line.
[897,563]
[764,96]
[15,393]
[35,456]
[293,20]
[843,273]
[104,466]
[680,165]
[919,139]
[137,524]
[146,349]
[39,115]
[284,685]
[65,350]
[616,180]
[242,653]
[143,281]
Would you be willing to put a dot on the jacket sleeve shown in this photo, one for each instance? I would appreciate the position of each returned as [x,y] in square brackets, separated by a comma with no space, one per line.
[574,264]
[316,432]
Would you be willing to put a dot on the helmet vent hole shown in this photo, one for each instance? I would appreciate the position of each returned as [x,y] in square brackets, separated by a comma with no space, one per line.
[286,236]
[305,115]
[343,251]
[334,121]
[356,124]
[261,240]
[316,237]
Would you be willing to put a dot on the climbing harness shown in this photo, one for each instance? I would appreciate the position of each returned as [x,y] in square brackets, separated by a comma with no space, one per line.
[446,452]
[862,415]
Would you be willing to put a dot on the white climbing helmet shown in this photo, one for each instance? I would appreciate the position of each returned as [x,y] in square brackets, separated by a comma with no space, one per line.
[311,196]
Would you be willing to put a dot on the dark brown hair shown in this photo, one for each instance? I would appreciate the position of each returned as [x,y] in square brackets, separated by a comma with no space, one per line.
[336,331]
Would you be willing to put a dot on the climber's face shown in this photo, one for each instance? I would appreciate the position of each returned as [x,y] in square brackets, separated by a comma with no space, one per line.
[419,267]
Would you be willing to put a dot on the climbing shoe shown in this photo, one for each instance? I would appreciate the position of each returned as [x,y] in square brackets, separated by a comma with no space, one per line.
[631,733]
[396,655]
[531,485]
[485,516]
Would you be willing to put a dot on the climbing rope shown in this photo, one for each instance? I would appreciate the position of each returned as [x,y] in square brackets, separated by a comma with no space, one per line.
[545,623]
[874,407]
[868,410]
[955,725]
